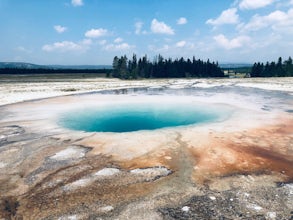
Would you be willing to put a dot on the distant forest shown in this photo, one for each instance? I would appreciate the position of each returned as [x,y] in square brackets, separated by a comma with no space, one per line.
[134,68]
[273,69]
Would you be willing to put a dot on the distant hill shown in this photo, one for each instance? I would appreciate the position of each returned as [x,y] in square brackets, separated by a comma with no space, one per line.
[21,65]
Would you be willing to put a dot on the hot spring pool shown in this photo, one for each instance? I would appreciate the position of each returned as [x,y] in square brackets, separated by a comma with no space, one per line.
[129,117]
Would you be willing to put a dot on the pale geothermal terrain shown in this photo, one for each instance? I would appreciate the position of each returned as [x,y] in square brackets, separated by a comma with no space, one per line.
[237,167]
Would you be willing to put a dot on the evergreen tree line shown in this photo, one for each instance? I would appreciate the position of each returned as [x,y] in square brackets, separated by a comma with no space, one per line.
[134,68]
[273,69]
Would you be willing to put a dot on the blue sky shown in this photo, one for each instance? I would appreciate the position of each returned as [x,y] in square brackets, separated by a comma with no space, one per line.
[94,31]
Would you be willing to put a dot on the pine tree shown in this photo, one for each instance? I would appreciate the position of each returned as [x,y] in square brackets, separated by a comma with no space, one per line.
[115,66]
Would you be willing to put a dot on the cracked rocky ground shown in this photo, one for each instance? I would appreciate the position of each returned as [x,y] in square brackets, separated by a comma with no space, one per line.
[239,168]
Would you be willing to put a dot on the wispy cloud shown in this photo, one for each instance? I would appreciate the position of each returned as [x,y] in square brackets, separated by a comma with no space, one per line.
[159,27]
[162,49]
[254,4]
[86,42]
[138,26]
[62,46]
[118,47]
[76,3]
[181,21]
[60,29]
[23,49]
[181,43]
[102,42]
[95,33]
[67,46]
[118,40]
[228,16]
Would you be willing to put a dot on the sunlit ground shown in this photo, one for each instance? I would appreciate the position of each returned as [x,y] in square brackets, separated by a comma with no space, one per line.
[238,166]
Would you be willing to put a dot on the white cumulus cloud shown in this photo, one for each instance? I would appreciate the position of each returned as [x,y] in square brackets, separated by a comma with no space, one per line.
[254,4]
[62,46]
[60,29]
[182,21]
[277,20]
[236,42]
[181,43]
[158,27]
[95,33]
[228,16]
[76,3]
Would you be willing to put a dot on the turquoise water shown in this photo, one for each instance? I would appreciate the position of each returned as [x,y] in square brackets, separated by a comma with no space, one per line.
[136,117]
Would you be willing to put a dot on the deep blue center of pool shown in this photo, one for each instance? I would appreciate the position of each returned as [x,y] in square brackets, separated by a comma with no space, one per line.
[136,117]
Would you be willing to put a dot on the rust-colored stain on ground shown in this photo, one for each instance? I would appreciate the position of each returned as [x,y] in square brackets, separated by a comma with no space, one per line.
[46,191]
[234,155]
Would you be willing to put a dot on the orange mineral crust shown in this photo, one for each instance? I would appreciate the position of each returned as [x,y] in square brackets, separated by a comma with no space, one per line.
[266,150]
[238,167]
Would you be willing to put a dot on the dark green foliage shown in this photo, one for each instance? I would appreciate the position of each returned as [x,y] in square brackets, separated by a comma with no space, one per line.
[163,68]
[273,69]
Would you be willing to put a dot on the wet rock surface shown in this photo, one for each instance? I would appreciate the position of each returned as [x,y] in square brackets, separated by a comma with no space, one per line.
[10,134]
